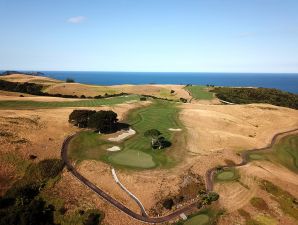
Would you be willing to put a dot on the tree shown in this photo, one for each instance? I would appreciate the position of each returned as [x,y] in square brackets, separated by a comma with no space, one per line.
[92,219]
[104,121]
[70,80]
[80,117]
[153,134]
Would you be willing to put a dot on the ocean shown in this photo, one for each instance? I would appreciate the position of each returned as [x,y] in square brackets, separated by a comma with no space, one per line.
[282,81]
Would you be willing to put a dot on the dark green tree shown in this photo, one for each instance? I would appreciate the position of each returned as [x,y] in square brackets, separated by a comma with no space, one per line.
[104,121]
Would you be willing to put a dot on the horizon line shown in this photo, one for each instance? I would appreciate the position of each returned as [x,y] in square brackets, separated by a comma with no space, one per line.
[121,71]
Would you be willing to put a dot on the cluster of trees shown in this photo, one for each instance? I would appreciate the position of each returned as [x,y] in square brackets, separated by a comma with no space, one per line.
[69,80]
[157,141]
[207,197]
[103,121]
[21,204]
[36,89]
[257,95]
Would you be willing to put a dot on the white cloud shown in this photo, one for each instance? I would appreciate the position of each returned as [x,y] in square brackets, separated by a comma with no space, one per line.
[76,19]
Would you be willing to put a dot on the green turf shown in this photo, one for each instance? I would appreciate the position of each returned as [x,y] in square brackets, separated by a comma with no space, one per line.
[81,103]
[284,152]
[227,175]
[198,220]
[161,115]
[88,145]
[136,151]
[200,92]
[132,158]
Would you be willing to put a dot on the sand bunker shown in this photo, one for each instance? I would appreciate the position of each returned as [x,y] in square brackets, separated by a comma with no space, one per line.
[114,149]
[175,129]
[124,135]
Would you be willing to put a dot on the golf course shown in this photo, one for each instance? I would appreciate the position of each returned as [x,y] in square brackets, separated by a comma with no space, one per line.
[136,151]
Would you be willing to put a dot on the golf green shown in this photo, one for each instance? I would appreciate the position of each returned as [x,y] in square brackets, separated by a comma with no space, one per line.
[132,158]
[201,219]
[227,175]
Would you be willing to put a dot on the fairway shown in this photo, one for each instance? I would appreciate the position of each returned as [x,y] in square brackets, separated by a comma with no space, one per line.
[284,152]
[227,175]
[161,115]
[198,220]
[82,103]
[199,92]
[132,158]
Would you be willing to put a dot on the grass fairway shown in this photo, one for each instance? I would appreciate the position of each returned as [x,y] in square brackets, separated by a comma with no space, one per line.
[198,220]
[227,175]
[87,145]
[200,92]
[284,152]
[83,103]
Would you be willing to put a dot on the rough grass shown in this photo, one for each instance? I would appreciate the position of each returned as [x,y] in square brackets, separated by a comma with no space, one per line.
[82,103]
[230,174]
[284,152]
[200,92]
[259,203]
[287,202]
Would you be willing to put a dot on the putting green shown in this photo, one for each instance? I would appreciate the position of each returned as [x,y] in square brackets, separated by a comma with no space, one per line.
[132,158]
[227,175]
[198,220]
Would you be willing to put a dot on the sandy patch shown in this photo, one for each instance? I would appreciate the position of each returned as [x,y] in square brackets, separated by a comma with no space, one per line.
[114,149]
[175,129]
[122,136]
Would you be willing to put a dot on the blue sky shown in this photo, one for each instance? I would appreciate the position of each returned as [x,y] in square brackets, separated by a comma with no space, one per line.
[150,35]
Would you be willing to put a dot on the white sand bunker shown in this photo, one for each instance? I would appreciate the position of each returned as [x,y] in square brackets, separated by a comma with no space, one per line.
[114,149]
[175,129]
[124,135]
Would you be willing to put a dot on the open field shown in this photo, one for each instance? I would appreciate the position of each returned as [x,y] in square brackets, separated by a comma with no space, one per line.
[19,104]
[200,92]
[53,86]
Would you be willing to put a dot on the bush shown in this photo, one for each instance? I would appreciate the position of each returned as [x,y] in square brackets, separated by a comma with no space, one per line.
[143,98]
[69,80]
[183,100]
[92,219]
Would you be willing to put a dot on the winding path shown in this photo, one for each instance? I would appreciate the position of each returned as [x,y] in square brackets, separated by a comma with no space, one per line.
[245,159]
[144,218]
[113,201]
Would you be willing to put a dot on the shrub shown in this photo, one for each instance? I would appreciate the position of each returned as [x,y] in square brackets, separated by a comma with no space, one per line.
[143,98]
[92,219]
[183,100]
[69,80]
